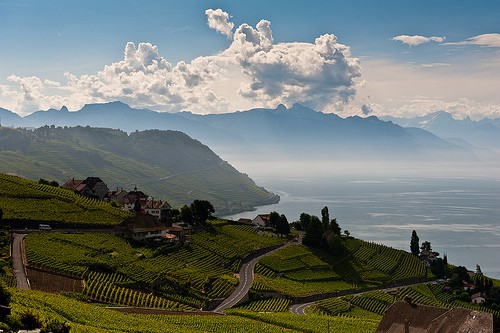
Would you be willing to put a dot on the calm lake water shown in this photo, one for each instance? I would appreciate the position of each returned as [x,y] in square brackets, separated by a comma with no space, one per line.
[459,216]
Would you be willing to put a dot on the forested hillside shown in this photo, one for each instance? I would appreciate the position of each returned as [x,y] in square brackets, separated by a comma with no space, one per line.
[167,165]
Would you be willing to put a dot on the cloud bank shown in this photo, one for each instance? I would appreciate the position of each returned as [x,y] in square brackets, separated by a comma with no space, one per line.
[417,40]
[253,71]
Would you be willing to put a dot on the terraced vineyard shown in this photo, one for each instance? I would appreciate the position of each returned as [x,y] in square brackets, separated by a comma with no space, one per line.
[268,305]
[27,203]
[299,271]
[188,275]
[374,303]
[84,317]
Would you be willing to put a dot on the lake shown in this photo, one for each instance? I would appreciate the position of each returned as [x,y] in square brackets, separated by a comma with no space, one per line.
[460,216]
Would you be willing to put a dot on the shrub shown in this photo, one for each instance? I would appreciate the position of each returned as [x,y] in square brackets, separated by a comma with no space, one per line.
[30,320]
[55,326]
[4,294]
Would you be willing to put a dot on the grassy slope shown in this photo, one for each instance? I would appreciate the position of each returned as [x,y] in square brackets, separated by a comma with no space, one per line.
[165,164]
[27,203]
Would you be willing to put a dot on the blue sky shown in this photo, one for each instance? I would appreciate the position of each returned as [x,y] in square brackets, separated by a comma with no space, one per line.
[392,57]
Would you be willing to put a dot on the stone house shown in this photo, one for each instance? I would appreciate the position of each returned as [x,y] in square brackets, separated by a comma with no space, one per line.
[91,186]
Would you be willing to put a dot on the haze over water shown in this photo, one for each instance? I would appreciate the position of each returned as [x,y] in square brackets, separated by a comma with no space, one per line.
[459,215]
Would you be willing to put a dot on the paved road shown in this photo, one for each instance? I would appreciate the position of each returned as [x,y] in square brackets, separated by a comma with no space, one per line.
[17,262]
[246,280]
[300,308]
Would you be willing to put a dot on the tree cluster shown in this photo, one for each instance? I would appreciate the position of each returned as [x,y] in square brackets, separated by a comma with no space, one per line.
[46,182]
[198,213]
[279,223]
[324,233]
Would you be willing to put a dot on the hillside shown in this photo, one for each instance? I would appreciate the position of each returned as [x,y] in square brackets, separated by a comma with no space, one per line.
[26,203]
[167,165]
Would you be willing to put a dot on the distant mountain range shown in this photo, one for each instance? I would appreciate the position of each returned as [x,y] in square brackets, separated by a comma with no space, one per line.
[166,165]
[483,133]
[281,133]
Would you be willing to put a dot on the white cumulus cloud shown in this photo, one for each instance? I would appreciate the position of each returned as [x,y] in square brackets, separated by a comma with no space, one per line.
[219,21]
[253,71]
[417,40]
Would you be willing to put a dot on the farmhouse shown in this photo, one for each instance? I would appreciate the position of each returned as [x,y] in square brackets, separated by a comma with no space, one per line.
[478,298]
[261,220]
[140,228]
[404,316]
[159,209]
[91,186]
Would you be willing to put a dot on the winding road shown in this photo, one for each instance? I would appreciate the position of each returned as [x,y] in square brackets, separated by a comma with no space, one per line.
[17,261]
[300,308]
[246,280]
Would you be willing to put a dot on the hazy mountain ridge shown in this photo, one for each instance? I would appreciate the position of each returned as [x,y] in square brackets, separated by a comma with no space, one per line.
[298,132]
[168,165]
[483,133]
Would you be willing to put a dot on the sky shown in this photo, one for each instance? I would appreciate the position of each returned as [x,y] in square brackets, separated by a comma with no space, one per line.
[392,57]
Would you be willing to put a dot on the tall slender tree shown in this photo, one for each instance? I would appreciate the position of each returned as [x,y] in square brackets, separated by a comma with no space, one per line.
[415,244]
[325,217]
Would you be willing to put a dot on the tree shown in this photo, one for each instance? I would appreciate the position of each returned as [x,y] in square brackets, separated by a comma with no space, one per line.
[334,227]
[273,219]
[304,220]
[325,217]
[282,226]
[414,244]
[347,233]
[314,233]
[202,210]
[335,244]
[426,246]
[186,214]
